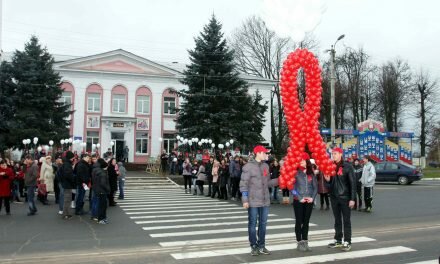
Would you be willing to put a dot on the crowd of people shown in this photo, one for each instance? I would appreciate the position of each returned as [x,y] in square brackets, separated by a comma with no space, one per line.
[71,179]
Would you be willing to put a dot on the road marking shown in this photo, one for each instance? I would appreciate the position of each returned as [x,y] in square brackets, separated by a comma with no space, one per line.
[195,219]
[213,224]
[208,205]
[219,241]
[216,231]
[186,210]
[246,250]
[182,215]
[434,261]
[139,205]
[128,201]
[340,256]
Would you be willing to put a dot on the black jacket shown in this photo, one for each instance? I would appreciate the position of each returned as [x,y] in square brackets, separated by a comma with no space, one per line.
[67,178]
[82,173]
[100,184]
[343,186]
[112,178]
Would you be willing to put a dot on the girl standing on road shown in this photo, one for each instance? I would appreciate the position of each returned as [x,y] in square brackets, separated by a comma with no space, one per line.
[304,193]
[322,188]
[6,177]
[187,174]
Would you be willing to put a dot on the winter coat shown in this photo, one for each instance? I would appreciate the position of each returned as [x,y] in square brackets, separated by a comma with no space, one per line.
[66,175]
[5,181]
[187,169]
[274,172]
[234,169]
[368,178]
[47,176]
[322,184]
[223,173]
[122,171]
[342,185]
[214,172]
[82,173]
[201,174]
[100,180]
[255,182]
[357,174]
[112,178]
[30,176]
[305,186]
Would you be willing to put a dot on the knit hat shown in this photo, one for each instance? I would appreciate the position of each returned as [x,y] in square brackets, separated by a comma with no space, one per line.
[69,155]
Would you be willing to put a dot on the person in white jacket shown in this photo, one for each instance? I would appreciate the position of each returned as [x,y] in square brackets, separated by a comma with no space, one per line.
[368,180]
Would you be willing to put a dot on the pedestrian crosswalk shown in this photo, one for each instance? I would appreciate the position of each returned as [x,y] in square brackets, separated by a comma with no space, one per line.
[194,228]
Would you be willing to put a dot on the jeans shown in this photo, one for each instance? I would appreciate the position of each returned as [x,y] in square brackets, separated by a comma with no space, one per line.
[235,187]
[94,205]
[121,188]
[368,195]
[341,212]
[30,191]
[303,211]
[15,188]
[79,202]
[187,181]
[102,206]
[274,193]
[257,214]
[60,197]
[66,202]
[173,168]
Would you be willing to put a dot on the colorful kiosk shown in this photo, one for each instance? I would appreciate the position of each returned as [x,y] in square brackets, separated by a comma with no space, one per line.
[372,139]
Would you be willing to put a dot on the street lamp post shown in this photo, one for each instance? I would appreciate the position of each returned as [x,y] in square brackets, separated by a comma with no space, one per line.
[332,89]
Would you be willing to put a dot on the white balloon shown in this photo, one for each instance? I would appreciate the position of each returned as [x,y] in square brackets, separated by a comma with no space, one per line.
[93,146]
[62,141]
[196,140]
[84,144]
[98,145]
[213,145]
[24,141]
[200,143]
[190,142]
[227,144]
[160,139]
[210,141]
[112,143]
[51,142]
[35,140]
[185,141]
[46,147]
[39,148]
[178,137]
[70,140]
[231,141]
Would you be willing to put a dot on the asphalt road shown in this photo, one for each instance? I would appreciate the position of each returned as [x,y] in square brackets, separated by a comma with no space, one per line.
[164,225]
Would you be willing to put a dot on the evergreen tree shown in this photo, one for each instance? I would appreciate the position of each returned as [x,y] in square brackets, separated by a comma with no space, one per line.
[37,109]
[217,104]
[7,87]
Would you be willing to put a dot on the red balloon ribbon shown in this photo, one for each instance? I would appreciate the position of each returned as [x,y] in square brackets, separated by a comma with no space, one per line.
[303,125]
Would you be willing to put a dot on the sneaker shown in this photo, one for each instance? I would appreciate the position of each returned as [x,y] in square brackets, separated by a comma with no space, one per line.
[102,222]
[60,212]
[335,244]
[67,217]
[94,219]
[346,246]
[368,209]
[306,246]
[72,205]
[302,246]
[255,251]
[264,251]
[233,199]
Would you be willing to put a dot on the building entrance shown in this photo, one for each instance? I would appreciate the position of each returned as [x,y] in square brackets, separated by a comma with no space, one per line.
[118,146]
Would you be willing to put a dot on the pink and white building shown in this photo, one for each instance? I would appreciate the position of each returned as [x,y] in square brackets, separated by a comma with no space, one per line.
[123,98]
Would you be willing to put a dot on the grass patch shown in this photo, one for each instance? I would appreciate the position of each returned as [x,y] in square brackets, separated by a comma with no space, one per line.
[430,172]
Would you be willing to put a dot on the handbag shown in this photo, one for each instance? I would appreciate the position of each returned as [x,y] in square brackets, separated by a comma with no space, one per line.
[42,190]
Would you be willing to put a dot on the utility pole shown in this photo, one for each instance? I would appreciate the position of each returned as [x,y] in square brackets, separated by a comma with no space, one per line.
[332,90]
[1,30]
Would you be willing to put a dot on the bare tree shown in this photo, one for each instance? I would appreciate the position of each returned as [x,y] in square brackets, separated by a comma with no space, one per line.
[260,52]
[424,94]
[394,84]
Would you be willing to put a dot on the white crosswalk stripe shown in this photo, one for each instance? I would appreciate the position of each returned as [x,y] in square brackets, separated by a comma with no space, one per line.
[197,228]
[340,256]
[434,261]
[245,250]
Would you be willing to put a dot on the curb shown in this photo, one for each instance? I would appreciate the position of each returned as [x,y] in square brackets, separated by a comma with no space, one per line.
[431,179]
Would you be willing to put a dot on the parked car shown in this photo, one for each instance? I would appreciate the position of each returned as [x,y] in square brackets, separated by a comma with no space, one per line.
[399,172]
[434,164]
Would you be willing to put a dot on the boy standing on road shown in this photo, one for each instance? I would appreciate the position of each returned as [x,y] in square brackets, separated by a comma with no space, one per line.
[368,179]
[254,185]
[342,197]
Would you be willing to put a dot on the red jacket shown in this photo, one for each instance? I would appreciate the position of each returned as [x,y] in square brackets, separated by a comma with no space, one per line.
[5,182]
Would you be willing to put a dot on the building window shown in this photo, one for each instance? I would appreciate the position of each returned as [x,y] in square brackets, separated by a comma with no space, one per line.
[169,142]
[66,98]
[169,105]
[119,103]
[143,104]
[93,102]
[141,143]
[92,138]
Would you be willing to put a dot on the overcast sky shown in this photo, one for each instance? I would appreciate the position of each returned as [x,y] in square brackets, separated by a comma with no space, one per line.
[162,30]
